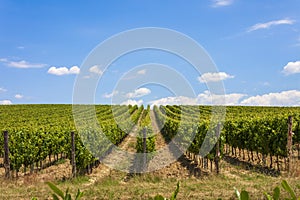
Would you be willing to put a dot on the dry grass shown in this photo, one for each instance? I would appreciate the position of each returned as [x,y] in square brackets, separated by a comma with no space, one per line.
[111,185]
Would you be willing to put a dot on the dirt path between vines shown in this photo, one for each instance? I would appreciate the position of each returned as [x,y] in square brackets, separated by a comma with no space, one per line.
[120,158]
[164,163]
[169,161]
[159,140]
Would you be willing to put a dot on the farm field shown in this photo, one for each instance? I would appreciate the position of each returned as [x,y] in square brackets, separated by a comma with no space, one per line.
[252,151]
[154,100]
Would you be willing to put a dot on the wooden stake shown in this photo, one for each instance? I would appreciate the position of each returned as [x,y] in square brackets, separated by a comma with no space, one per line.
[6,156]
[73,162]
[217,157]
[144,147]
[289,142]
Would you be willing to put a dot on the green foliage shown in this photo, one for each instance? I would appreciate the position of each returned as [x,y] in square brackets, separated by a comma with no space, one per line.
[288,188]
[243,195]
[145,127]
[184,123]
[275,196]
[58,193]
[261,129]
[173,196]
[40,131]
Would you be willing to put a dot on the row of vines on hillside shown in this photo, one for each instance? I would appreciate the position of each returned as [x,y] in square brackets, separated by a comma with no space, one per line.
[145,130]
[181,124]
[249,129]
[39,134]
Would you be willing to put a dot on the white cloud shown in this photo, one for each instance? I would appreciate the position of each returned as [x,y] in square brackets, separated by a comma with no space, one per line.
[138,93]
[5,102]
[96,70]
[3,89]
[284,98]
[180,100]
[21,47]
[142,72]
[74,70]
[132,102]
[135,75]
[110,95]
[269,24]
[292,68]
[205,98]
[266,84]
[220,3]
[3,60]
[21,64]
[59,71]
[214,77]
[19,96]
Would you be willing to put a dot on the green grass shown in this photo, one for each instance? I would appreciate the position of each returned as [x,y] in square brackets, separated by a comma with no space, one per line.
[145,186]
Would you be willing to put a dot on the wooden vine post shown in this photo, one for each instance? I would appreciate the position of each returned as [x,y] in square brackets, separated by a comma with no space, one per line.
[217,157]
[289,142]
[73,163]
[144,147]
[6,155]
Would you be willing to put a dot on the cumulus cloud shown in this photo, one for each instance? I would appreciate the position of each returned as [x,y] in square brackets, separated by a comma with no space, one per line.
[21,64]
[142,72]
[205,98]
[291,68]
[5,102]
[214,77]
[220,3]
[110,95]
[96,70]
[132,102]
[269,24]
[59,71]
[134,75]
[19,96]
[284,98]
[2,89]
[138,93]
[180,100]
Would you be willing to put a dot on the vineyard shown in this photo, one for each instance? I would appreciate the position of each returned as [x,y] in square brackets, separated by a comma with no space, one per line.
[42,133]
[249,133]
[39,135]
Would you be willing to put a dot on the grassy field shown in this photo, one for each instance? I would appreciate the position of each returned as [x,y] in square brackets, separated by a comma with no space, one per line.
[104,183]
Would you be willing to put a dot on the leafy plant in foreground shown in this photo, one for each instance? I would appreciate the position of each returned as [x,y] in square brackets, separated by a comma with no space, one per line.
[244,195]
[173,197]
[58,193]
[287,188]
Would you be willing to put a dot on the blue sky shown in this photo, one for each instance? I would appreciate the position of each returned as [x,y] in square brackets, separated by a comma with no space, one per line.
[255,45]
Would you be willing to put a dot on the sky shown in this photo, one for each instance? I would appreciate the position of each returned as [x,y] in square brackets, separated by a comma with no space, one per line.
[255,46]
